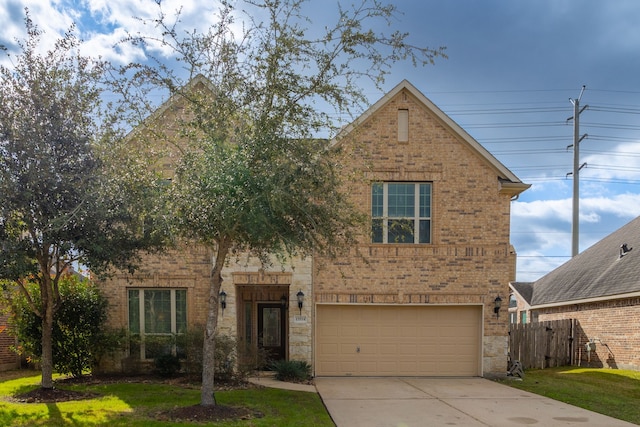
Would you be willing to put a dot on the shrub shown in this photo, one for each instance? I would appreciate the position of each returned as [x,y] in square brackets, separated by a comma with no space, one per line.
[291,370]
[167,365]
[225,357]
[232,361]
[189,350]
[250,359]
[79,334]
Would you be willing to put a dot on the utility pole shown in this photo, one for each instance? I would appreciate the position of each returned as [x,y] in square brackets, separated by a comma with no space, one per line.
[575,224]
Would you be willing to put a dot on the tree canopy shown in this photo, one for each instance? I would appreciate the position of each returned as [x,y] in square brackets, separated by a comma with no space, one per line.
[253,174]
[61,204]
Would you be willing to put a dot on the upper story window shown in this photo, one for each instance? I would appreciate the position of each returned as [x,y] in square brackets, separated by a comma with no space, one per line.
[513,302]
[401,212]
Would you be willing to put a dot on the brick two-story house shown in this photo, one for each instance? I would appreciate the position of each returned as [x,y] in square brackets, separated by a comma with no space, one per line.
[412,300]
[8,358]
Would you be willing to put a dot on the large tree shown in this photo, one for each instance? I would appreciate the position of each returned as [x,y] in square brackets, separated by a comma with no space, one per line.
[253,176]
[61,203]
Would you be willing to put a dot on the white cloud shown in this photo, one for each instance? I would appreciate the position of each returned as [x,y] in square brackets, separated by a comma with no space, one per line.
[45,14]
[541,229]
[102,24]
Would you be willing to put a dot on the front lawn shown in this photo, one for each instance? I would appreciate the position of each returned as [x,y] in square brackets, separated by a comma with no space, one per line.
[612,392]
[146,403]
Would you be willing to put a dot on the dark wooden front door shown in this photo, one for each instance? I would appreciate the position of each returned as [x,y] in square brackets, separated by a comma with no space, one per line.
[272,330]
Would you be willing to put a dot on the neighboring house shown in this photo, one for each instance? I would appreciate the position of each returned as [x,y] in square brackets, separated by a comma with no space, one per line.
[600,289]
[9,359]
[519,302]
[418,301]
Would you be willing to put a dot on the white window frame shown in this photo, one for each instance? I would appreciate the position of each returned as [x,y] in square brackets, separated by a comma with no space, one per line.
[416,218]
[141,315]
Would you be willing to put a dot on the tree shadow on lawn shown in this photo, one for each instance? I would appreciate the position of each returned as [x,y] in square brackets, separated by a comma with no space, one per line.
[194,413]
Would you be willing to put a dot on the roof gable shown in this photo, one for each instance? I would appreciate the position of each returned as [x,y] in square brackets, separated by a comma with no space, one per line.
[509,182]
[523,289]
[598,272]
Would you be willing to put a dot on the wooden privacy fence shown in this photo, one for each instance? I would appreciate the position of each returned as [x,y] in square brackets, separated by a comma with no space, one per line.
[542,344]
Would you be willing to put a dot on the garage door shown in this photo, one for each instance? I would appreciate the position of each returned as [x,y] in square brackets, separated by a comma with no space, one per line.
[398,341]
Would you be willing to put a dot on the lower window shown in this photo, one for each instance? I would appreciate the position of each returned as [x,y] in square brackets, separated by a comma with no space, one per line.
[156,318]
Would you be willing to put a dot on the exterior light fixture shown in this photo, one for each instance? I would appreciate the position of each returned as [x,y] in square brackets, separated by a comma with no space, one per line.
[300,296]
[223,299]
[497,303]
[283,301]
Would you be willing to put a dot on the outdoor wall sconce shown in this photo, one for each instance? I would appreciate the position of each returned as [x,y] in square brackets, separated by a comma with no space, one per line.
[300,296]
[223,299]
[283,301]
[497,303]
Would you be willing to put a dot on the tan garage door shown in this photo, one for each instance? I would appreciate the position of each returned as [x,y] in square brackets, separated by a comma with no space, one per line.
[398,341]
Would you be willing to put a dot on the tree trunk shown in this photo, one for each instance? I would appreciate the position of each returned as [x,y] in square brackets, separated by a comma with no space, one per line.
[207,397]
[47,331]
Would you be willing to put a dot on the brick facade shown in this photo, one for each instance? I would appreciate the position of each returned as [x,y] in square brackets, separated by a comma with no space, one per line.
[469,261]
[8,358]
[614,327]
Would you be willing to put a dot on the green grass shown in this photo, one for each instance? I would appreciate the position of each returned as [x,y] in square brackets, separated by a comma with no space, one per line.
[612,392]
[138,404]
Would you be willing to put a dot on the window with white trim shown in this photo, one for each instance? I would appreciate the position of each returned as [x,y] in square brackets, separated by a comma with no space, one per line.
[156,317]
[401,212]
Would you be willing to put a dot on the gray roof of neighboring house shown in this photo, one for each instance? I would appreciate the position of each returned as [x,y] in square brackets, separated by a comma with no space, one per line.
[525,289]
[598,272]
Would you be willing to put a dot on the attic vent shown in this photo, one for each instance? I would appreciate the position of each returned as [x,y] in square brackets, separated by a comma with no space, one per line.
[403,125]
[624,250]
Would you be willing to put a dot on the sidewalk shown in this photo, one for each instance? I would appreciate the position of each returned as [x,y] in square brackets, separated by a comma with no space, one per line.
[266,379]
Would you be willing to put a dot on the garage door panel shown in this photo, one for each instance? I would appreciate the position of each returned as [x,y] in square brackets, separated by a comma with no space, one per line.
[407,350]
[407,331]
[389,349]
[349,331]
[388,332]
[398,340]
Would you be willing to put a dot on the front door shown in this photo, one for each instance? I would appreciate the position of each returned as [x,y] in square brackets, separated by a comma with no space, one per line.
[271,330]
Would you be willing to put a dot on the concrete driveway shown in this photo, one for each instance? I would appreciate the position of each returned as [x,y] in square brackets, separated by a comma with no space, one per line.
[419,402]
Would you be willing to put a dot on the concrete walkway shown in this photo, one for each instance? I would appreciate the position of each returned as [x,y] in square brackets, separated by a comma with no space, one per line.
[266,379]
[473,402]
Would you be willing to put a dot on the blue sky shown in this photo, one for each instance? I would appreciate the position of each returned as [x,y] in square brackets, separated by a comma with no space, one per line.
[513,67]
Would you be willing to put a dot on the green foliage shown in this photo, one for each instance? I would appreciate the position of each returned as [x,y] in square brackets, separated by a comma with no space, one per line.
[291,370]
[250,359]
[189,349]
[252,175]
[64,199]
[131,404]
[225,357]
[79,334]
[167,365]
[232,362]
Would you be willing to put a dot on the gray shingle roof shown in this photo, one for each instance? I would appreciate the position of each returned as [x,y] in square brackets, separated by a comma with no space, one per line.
[525,289]
[597,272]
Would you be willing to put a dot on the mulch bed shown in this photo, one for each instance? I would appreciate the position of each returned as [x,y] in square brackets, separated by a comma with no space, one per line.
[194,413]
[53,395]
[199,413]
